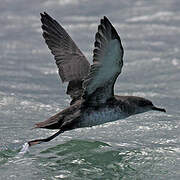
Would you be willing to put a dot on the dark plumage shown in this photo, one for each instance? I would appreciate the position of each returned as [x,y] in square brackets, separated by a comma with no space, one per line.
[90,87]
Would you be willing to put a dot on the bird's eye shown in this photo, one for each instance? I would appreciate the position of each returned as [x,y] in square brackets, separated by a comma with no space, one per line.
[142,103]
[145,103]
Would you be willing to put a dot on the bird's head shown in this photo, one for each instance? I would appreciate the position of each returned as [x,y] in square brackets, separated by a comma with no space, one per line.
[143,105]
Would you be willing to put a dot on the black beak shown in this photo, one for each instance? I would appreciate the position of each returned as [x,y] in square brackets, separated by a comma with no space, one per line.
[158,109]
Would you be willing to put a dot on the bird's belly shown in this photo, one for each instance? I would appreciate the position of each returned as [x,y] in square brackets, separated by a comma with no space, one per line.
[102,116]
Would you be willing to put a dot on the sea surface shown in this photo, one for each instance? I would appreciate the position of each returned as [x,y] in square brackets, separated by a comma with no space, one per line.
[141,147]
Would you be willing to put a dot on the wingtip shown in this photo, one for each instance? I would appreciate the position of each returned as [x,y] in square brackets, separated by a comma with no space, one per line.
[45,15]
[42,15]
[105,17]
[106,20]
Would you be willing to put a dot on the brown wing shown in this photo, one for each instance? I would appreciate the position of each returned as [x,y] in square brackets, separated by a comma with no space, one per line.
[107,65]
[71,63]
[61,120]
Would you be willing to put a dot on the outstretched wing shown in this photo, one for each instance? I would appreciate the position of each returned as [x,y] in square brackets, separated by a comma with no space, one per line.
[107,65]
[71,63]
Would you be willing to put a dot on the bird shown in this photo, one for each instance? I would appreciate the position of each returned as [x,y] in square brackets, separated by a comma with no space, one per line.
[91,87]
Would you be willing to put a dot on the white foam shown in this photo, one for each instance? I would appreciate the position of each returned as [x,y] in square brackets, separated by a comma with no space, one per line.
[24,149]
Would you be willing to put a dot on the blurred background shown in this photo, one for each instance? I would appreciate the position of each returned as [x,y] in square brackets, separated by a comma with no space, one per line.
[144,146]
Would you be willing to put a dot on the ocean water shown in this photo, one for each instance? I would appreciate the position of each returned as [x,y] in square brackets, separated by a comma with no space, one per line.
[144,146]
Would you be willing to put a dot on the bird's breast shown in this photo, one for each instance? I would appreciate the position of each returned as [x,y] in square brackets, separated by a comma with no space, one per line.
[103,115]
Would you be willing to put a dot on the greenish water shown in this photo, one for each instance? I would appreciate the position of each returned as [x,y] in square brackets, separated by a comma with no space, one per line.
[80,159]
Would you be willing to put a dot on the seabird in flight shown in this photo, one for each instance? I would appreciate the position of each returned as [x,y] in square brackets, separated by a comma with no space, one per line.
[91,87]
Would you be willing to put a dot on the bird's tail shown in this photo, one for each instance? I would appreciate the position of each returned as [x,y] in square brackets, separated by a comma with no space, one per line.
[38,141]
